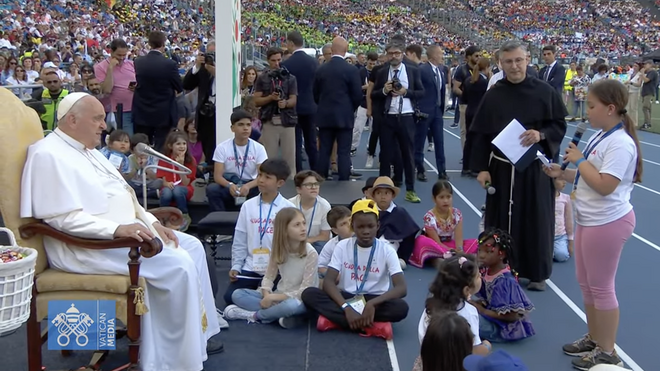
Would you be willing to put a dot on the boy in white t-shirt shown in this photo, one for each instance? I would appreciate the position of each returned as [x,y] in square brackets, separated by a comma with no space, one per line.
[313,206]
[339,219]
[236,167]
[363,300]
[253,237]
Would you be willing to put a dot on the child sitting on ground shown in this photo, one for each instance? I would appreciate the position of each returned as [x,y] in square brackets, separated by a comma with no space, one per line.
[502,304]
[137,163]
[364,300]
[443,229]
[396,226]
[314,207]
[366,191]
[295,261]
[119,143]
[563,248]
[339,219]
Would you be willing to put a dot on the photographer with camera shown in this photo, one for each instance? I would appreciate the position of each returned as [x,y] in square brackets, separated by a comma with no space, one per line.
[202,78]
[398,89]
[276,92]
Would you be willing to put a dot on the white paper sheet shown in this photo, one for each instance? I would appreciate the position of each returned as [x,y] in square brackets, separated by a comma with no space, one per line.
[508,141]
[543,159]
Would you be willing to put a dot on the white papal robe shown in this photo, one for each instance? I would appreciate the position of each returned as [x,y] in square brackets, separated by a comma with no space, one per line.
[78,191]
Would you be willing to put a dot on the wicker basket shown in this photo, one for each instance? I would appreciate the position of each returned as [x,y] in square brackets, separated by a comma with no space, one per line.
[16,280]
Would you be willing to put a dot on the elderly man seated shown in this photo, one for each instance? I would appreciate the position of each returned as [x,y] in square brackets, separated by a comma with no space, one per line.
[73,188]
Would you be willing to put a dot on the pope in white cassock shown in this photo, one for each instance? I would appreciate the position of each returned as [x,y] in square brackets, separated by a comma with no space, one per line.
[72,187]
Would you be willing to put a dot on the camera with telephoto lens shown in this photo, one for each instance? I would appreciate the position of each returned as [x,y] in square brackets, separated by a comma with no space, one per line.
[207,109]
[279,74]
[396,84]
[209,58]
[421,115]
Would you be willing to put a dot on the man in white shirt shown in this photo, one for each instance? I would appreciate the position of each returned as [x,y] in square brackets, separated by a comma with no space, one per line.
[236,166]
[73,188]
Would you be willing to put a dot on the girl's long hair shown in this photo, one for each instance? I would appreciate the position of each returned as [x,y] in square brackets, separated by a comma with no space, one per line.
[280,249]
[482,65]
[172,138]
[447,288]
[612,92]
[447,342]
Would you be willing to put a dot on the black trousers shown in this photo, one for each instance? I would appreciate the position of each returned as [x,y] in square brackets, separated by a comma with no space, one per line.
[206,135]
[469,139]
[156,134]
[306,131]
[319,301]
[213,274]
[343,138]
[398,133]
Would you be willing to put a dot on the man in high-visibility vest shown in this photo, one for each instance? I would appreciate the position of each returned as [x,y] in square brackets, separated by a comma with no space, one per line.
[569,94]
[51,96]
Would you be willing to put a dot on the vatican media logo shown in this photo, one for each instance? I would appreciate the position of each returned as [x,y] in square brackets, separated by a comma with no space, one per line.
[81,325]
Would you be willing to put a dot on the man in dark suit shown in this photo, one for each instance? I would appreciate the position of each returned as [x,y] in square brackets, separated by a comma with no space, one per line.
[400,88]
[158,83]
[338,92]
[553,73]
[432,103]
[303,67]
[202,78]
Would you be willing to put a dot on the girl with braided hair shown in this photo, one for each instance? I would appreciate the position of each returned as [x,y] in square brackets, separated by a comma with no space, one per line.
[501,302]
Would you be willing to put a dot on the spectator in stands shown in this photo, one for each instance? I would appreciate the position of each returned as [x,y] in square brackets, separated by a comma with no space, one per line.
[276,92]
[236,163]
[363,301]
[313,206]
[292,264]
[155,111]
[119,144]
[303,67]
[649,89]
[396,226]
[337,91]
[116,74]
[553,73]
[177,188]
[202,78]
[138,162]
[339,220]
[400,88]
[253,238]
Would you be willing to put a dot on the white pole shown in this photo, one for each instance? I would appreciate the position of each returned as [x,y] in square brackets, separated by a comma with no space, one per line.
[228,60]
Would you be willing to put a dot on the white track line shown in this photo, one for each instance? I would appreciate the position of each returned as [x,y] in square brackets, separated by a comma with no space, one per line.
[624,356]
[393,358]
[641,141]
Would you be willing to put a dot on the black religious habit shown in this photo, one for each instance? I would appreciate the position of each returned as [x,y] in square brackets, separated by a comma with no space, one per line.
[524,202]
[398,225]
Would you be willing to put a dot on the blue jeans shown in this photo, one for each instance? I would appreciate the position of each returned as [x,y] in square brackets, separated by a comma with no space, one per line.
[179,195]
[560,252]
[581,106]
[251,299]
[489,331]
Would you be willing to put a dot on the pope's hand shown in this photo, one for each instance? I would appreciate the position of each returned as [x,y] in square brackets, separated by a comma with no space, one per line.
[135,230]
[166,234]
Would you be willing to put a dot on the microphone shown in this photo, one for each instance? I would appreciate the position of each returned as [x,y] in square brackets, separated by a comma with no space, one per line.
[490,189]
[144,149]
[579,132]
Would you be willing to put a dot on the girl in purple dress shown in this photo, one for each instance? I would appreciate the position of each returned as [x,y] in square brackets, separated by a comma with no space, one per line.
[502,304]
[443,229]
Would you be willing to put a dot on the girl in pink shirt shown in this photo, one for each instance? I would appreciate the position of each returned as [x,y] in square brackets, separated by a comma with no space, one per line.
[563,224]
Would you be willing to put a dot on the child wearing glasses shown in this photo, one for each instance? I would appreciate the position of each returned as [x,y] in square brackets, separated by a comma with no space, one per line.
[314,207]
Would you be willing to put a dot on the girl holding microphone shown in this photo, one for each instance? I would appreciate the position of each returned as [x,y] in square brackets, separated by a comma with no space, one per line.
[603,179]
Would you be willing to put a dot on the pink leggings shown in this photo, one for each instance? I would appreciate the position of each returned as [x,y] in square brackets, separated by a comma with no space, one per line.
[597,253]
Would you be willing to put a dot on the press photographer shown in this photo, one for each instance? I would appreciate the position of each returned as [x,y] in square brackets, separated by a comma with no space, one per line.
[202,78]
[276,92]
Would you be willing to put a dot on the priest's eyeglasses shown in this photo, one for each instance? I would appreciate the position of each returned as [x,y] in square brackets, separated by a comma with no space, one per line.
[517,62]
[311,185]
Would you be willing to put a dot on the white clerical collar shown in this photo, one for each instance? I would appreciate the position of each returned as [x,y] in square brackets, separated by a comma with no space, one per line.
[68,139]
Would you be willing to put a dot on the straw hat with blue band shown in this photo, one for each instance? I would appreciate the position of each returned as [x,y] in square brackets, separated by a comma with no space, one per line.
[384,182]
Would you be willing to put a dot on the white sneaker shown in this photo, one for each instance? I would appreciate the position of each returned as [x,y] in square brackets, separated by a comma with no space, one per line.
[403,264]
[234,312]
[221,319]
[370,162]
[431,147]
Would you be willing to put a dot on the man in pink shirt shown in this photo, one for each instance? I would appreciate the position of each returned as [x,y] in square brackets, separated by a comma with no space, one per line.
[117,76]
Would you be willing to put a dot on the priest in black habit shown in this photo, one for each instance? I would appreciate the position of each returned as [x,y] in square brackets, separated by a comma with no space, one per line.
[524,201]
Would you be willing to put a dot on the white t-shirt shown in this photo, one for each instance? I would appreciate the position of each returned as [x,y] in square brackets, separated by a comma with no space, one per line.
[250,223]
[224,154]
[320,222]
[326,252]
[616,155]
[384,265]
[468,311]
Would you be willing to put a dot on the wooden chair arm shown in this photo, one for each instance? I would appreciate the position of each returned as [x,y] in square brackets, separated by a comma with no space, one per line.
[168,216]
[146,249]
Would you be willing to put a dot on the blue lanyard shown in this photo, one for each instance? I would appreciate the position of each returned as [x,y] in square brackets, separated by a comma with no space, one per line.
[355,266]
[245,156]
[262,229]
[309,228]
[590,148]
